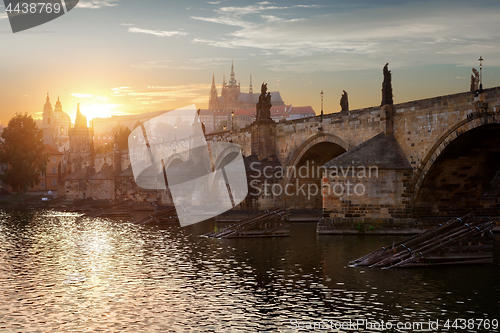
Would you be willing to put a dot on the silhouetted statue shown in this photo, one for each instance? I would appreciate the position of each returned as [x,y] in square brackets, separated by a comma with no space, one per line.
[263,88]
[474,80]
[387,87]
[344,102]
[264,104]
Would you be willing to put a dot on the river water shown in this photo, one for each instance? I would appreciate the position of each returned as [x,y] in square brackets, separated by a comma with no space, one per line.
[63,273]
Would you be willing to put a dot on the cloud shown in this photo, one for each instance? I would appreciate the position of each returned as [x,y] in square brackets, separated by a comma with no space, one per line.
[95,4]
[80,95]
[156,95]
[121,91]
[158,33]
[290,39]
[190,64]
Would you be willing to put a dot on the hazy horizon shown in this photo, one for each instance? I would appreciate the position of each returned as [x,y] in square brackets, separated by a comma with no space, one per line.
[122,57]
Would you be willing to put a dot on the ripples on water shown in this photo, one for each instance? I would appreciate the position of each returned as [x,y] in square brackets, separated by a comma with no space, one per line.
[60,272]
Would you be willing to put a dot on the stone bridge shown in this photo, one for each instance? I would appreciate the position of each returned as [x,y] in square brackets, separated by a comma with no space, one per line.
[451,145]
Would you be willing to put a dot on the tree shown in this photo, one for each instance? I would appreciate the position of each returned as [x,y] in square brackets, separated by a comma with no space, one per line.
[24,151]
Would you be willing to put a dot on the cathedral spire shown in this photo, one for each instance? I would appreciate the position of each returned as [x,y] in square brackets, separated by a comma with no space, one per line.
[213,101]
[232,80]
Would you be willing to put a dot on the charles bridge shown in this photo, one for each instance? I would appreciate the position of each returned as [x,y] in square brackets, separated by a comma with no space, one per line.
[445,155]
[433,157]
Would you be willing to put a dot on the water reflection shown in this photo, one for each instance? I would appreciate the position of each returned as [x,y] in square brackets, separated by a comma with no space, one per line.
[65,273]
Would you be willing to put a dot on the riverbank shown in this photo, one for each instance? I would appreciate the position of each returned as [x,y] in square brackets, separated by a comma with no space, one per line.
[337,226]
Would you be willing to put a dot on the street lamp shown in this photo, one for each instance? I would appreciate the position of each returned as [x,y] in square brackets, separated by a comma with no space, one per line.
[175,133]
[105,150]
[322,94]
[232,117]
[224,127]
[480,74]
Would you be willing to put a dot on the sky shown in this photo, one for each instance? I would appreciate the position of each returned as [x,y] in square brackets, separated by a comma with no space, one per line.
[123,57]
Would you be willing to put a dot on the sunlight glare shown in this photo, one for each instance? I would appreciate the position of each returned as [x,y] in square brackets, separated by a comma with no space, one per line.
[92,111]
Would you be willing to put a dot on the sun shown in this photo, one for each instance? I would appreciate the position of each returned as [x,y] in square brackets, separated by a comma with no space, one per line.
[92,111]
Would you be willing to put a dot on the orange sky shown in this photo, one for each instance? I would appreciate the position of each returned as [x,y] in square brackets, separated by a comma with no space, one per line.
[118,57]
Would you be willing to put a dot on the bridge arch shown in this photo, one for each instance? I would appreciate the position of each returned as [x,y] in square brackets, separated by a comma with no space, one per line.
[173,160]
[299,153]
[226,156]
[294,159]
[463,160]
[312,154]
[231,150]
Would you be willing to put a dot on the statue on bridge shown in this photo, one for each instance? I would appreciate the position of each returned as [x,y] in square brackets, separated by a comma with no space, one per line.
[344,102]
[387,87]
[474,80]
[264,104]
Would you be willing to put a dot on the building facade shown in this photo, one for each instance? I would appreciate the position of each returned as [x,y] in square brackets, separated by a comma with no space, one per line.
[51,178]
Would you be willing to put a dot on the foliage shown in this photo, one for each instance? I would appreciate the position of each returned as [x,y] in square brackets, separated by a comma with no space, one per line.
[24,151]
[371,228]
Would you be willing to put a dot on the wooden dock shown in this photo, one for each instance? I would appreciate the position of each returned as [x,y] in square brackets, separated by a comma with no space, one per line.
[270,223]
[465,240]
[120,209]
[168,215]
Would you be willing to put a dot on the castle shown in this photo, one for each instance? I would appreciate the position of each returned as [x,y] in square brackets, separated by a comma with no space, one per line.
[231,97]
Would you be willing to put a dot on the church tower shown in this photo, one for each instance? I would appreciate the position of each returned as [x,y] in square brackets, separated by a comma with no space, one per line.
[250,91]
[233,89]
[81,120]
[48,119]
[81,143]
[58,106]
[224,87]
[47,113]
[213,102]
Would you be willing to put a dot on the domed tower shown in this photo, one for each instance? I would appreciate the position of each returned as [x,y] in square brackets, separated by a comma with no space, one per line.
[60,122]
[58,106]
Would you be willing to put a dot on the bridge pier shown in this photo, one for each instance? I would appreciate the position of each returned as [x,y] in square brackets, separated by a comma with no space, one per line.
[263,139]
[388,118]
